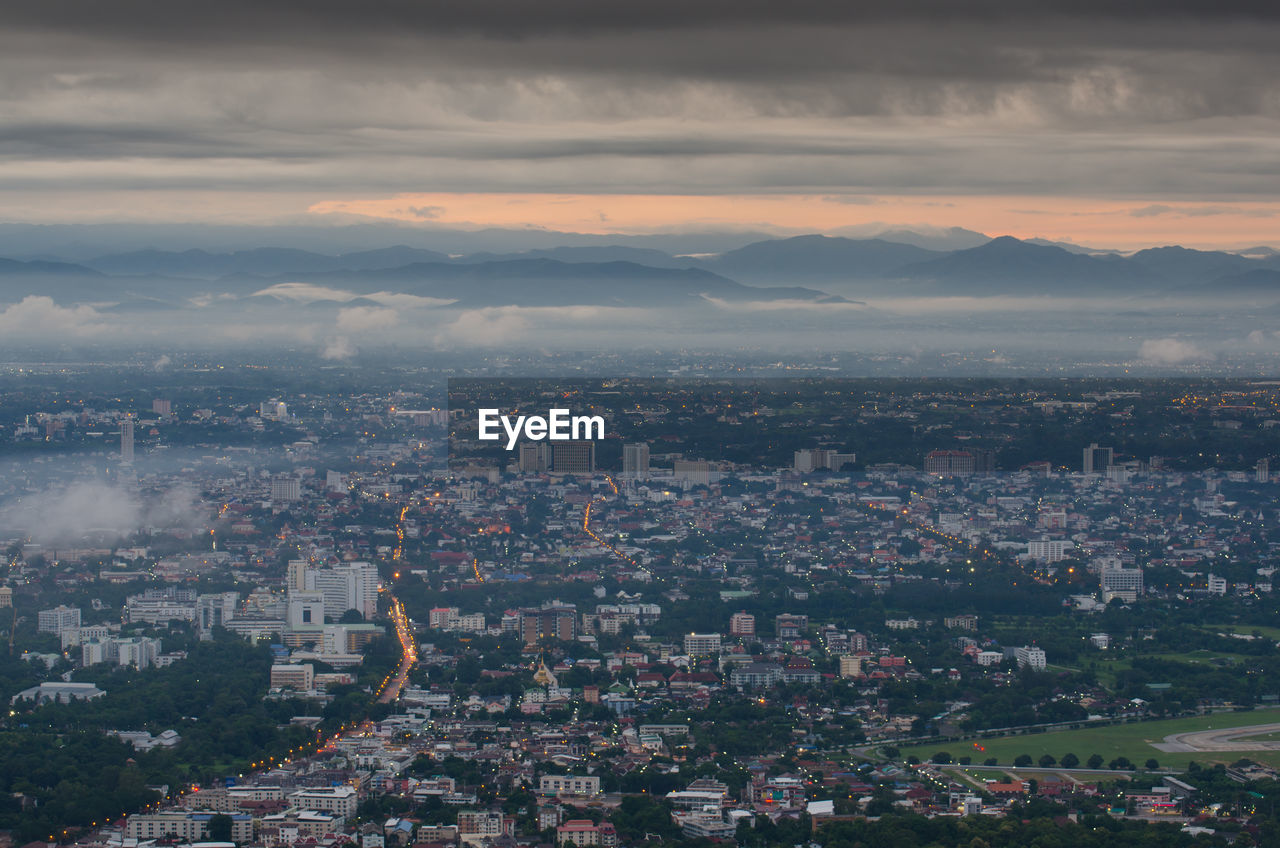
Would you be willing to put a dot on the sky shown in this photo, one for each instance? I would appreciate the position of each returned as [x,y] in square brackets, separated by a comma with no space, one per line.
[1122,128]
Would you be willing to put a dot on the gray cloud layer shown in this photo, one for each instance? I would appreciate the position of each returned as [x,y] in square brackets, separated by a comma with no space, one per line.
[325,98]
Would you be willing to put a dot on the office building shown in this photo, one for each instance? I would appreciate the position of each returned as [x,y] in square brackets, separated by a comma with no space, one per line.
[1096,459]
[1029,656]
[138,651]
[587,834]
[305,610]
[574,457]
[555,622]
[1049,550]
[635,460]
[340,801]
[701,644]
[299,677]
[351,586]
[694,472]
[295,577]
[285,488]
[821,459]
[126,439]
[188,825]
[850,666]
[215,610]
[568,784]
[742,624]
[59,618]
[949,463]
[1122,583]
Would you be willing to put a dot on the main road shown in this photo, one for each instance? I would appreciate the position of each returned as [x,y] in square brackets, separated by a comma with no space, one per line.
[392,686]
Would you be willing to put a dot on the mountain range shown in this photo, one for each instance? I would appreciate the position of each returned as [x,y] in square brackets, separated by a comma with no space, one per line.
[811,268]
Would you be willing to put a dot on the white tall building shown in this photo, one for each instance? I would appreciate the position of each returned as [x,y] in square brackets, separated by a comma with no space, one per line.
[59,618]
[215,610]
[345,587]
[635,460]
[139,651]
[1122,583]
[701,644]
[1031,656]
[306,610]
[1049,550]
[126,439]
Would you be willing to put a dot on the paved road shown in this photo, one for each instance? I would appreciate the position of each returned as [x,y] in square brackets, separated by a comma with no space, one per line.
[409,649]
[1226,739]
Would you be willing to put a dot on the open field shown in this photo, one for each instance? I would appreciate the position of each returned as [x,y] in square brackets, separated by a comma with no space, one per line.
[1246,630]
[1135,741]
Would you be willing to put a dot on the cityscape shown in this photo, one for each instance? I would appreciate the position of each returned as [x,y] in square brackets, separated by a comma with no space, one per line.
[313,617]
[613,425]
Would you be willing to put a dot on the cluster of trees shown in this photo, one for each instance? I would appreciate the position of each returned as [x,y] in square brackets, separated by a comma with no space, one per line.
[58,769]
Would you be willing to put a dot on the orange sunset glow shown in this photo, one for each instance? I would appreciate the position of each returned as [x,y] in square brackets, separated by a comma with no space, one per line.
[1105,223]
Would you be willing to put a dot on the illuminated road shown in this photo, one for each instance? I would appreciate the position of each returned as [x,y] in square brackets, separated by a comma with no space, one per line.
[586,527]
[392,686]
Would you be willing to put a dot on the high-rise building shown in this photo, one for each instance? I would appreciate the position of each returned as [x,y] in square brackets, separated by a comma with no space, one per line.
[353,586]
[1097,460]
[305,610]
[701,644]
[160,406]
[296,576]
[821,459]
[694,472]
[742,624]
[1122,583]
[576,457]
[635,459]
[850,666]
[56,620]
[1031,656]
[215,611]
[285,488]
[1049,550]
[138,651]
[126,439]
[274,410]
[535,457]
[948,463]
[557,622]
[1262,470]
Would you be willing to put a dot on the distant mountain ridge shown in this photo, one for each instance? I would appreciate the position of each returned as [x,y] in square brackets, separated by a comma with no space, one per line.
[811,268]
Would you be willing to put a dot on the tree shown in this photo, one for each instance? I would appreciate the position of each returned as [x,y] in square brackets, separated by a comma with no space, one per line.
[1152,764]
[1070,761]
[220,828]
[1095,761]
[941,758]
[1047,760]
[1023,760]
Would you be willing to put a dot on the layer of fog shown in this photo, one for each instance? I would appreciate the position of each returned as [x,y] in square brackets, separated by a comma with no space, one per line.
[100,510]
[324,322]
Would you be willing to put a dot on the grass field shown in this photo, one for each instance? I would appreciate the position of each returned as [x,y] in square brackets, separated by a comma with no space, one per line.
[1246,630]
[1120,740]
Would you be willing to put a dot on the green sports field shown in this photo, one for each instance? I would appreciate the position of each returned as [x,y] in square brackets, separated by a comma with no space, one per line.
[1112,741]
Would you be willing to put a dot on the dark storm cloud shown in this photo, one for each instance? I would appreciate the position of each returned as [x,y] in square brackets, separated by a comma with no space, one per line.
[1139,98]
[239,19]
